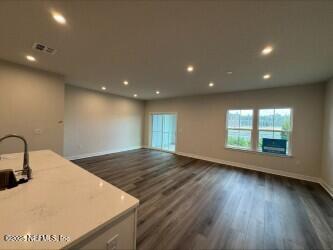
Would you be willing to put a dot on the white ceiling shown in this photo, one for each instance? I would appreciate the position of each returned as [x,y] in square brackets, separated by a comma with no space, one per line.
[150,43]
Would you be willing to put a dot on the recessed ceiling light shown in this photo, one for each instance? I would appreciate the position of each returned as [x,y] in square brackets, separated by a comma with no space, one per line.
[135,95]
[31,58]
[125,82]
[103,88]
[211,84]
[190,68]
[157,92]
[229,72]
[266,76]
[59,18]
[267,50]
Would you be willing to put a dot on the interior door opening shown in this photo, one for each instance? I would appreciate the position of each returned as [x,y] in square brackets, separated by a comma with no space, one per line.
[163,131]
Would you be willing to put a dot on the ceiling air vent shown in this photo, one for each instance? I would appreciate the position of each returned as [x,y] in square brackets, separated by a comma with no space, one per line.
[44,48]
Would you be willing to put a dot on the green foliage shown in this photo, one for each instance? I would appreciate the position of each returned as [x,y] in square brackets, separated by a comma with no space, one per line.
[286,129]
[239,142]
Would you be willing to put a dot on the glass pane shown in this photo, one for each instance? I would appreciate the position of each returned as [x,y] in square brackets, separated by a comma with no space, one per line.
[282,135]
[157,123]
[277,135]
[282,119]
[244,139]
[233,136]
[156,139]
[246,117]
[233,118]
[239,138]
[172,134]
[266,117]
[172,145]
[164,131]
[169,132]
[166,141]
[264,134]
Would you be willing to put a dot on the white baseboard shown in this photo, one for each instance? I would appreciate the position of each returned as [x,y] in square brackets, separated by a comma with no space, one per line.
[246,166]
[81,156]
[320,181]
[252,167]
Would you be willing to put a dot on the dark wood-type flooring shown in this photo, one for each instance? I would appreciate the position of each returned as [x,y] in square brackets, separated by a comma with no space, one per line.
[193,204]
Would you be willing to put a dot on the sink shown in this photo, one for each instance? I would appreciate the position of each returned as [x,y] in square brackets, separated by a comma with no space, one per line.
[8,179]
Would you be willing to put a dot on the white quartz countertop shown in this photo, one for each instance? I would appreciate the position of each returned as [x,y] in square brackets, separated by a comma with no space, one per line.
[61,199]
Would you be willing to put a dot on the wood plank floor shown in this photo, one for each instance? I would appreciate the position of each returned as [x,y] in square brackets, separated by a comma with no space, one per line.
[193,204]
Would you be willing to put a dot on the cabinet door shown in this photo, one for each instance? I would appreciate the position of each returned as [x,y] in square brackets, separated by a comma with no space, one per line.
[119,234]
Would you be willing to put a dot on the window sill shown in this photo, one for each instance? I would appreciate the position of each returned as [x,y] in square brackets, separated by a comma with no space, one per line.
[257,152]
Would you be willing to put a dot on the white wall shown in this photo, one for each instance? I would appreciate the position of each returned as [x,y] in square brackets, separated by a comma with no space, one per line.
[327,167]
[97,123]
[202,119]
[29,100]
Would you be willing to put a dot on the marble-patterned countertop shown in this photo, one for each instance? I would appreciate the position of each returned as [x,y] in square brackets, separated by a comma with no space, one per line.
[62,199]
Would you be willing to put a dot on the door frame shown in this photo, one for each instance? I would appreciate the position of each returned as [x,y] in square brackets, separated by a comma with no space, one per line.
[150,130]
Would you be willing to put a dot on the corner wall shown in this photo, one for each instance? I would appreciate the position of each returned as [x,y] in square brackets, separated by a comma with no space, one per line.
[99,123]
[32,105]
[202,126]
[327,163]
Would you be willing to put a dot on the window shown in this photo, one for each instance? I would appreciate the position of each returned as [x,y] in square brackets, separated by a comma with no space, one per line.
[239,128]
[275,124]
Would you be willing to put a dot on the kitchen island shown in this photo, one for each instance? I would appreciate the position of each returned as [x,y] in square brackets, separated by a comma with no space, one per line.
[64,207]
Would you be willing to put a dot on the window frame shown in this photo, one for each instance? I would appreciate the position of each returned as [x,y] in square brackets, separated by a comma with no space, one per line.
[290,141]
[150,129]
[239,129]
[255,132]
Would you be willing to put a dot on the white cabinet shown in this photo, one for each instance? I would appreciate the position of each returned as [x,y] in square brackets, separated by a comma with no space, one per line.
[118,234]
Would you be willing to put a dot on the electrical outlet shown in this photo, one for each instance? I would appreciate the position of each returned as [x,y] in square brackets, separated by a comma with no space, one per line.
[112,243]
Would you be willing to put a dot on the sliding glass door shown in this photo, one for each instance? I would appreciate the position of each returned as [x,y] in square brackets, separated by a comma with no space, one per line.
[163,131]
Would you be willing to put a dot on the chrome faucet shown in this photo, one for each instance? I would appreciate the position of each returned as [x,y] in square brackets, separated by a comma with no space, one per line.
[26,168]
